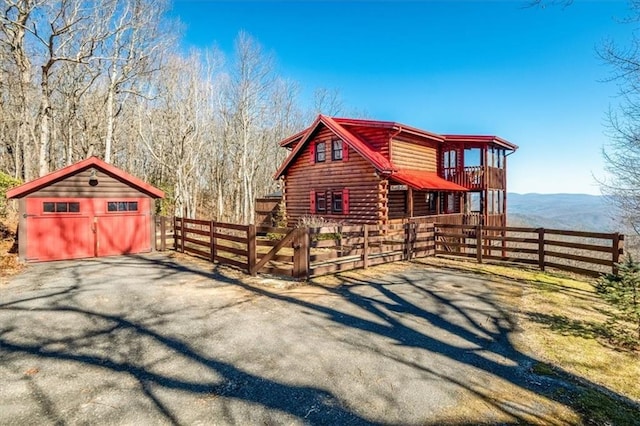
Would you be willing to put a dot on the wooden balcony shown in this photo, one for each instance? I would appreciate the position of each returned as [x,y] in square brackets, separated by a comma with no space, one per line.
[476,177]
[455,218]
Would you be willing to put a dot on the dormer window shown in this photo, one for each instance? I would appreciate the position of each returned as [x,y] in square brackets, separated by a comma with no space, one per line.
[336,150]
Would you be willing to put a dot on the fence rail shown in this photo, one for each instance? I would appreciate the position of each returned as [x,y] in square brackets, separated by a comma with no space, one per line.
[311,252]
[360,246]
[587,253]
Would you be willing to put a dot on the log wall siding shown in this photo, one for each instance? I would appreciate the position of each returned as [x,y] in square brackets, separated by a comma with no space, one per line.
[414,155]
[77,185]
[398,204]
[420,206]
[356,174]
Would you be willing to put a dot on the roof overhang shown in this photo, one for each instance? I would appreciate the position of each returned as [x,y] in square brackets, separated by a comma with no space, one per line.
[425,181]
[482,139]
[35,185]
[293,138]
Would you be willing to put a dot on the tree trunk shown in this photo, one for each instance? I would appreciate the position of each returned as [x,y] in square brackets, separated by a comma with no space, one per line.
[45,122]
[108,140]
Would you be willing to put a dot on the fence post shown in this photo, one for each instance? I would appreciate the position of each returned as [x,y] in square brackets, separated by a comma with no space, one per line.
[408,240]
[615,252]
[212,247]
[479,243]
[251,250]
[306,254]
[365,246]
[301,253]
[183,230]
[541,248]
[163,233]
[175,240]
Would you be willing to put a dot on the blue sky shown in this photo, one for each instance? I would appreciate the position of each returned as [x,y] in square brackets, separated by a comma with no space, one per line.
[529,75]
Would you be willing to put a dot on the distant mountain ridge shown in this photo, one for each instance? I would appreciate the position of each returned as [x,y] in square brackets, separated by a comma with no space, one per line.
[581,212]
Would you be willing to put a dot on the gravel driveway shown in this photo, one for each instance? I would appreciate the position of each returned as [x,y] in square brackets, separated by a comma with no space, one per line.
[150,339]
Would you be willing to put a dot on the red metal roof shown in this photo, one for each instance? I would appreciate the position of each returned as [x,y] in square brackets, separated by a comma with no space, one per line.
[293,138]
[391,125]
[422,180]
[346,129]
[481,139]
[379,161]
[58,175]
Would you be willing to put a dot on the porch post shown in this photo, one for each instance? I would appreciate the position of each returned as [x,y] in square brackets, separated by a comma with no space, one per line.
[410,200]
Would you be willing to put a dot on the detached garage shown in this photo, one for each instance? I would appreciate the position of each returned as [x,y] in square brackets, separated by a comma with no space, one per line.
[88,209]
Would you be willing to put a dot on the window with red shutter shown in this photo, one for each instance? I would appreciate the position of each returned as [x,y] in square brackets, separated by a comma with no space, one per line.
[312,151]
[312,201]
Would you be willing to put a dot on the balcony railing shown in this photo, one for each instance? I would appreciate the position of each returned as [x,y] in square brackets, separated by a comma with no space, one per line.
[476,177]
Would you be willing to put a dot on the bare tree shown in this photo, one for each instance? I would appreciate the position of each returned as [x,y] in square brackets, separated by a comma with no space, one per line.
[15,20]
[138,34]
[173,128]
[327,102]
[622,154]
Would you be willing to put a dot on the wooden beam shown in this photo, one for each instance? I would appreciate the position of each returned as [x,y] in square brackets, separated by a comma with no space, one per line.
[365,246]
[410,201]
[541,248]
[251,250]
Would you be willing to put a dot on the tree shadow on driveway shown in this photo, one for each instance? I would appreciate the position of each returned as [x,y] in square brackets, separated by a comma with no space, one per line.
[150,343]
[87,348]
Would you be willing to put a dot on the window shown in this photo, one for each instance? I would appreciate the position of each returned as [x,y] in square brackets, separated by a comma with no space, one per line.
[451,203]
[321,202]
[431,201]
[122,206]
[336,150]
[449,159]
[449,163]
[61,207]
[321,154]
[336,202]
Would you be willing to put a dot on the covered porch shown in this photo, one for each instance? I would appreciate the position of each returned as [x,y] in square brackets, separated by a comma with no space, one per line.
[415,193]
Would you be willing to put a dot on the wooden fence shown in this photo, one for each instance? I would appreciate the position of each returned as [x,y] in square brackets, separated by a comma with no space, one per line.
[342,248]
[312,252]
[587,253]
[250,248]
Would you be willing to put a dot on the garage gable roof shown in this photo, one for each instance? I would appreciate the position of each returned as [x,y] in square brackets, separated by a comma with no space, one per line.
[58,175]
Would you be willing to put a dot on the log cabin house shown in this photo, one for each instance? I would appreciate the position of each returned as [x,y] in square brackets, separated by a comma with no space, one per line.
[376,172]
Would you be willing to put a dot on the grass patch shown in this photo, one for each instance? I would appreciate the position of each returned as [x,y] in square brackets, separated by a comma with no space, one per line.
[564,324]
[543,369]
[598,408]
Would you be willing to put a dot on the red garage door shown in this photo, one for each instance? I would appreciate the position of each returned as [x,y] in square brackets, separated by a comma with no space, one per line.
[79,228]
[123,234]
[59,237]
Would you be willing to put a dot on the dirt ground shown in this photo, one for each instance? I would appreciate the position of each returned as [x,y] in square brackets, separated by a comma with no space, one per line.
[153,339]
